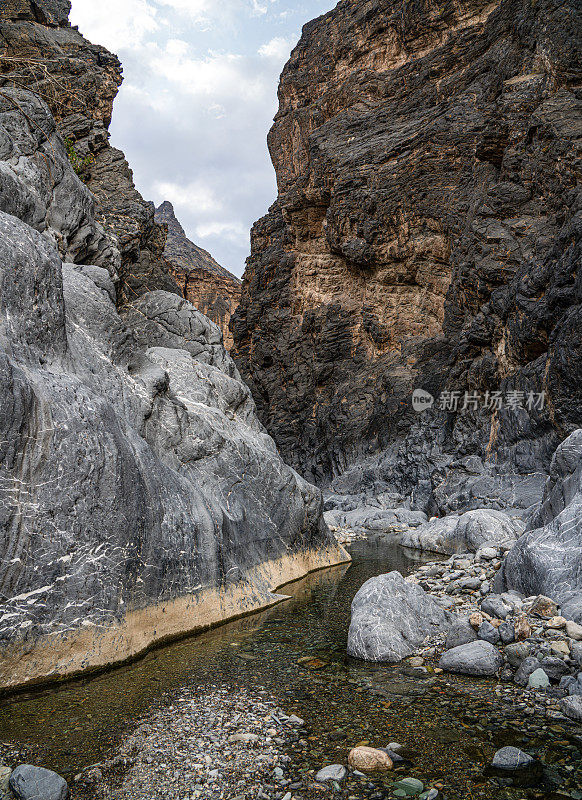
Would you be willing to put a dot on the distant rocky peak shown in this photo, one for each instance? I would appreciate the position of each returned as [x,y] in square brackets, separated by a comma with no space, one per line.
[182,250]
[212,289]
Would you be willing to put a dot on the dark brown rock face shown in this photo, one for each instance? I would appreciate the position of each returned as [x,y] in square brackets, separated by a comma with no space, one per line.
[427,233]
[79,81]
[212,289]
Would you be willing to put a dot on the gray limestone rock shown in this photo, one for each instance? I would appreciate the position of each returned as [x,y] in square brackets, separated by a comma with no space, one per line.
[516,653]
[162,319]
[335,772]
[38,185]
[36,783]
[134,477]
[468,532]
[372,518]
[511,758]
[480,659]
[525,669]
[538,679]
[554,668]
[461,632]
[572,707]
[488,632]
[576,652]
[391,618]
[495,607]
[547,559]
[506,632]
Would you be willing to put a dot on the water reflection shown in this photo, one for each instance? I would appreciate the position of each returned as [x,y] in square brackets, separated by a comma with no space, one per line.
[297,650]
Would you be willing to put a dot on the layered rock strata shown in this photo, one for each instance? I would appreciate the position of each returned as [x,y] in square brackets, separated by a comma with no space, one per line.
[426,234]
[40,51]
[210,288]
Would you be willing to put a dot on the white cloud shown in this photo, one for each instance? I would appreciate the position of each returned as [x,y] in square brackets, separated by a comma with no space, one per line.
[278,48]
[195,195]
[198,98]
[236,232]
[219,76]
[259,8]
[115,24]
[201,12]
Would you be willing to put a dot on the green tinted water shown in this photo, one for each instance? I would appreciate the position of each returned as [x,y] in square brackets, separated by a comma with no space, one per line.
[454,724]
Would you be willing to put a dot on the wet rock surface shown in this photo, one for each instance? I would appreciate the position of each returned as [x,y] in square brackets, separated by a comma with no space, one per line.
[448,727]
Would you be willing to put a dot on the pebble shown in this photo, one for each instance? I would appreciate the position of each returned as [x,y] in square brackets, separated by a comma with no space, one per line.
[574,631]
[407,787]
[214,743]
[369,760]
[556,622]
[560,648]
[511,758]
[538,680]
[335,772]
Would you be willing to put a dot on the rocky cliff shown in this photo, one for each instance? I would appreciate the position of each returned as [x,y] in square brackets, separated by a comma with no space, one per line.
[41,52]
[426,234]
[141,498]
[210,288]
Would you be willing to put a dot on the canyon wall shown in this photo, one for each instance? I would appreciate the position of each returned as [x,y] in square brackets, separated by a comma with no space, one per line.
[426,234]
[140,496]
[210,288]
[40,51]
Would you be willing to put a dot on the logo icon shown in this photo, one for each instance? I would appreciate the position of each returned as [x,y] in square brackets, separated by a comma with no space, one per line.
[421,400]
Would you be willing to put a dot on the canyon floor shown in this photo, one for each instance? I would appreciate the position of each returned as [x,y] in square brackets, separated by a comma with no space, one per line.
[164,725]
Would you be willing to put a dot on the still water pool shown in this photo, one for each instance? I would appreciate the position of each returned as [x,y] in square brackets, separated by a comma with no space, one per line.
[297,651]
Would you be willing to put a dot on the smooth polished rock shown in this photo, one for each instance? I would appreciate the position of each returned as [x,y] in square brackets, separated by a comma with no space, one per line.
[480,659]
[572,707]
[538,680]
[369,760]
[511,758]
[391,617]
[335,772]
[36,783]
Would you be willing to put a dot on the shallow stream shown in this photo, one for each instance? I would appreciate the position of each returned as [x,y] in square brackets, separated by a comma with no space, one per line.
[297,651]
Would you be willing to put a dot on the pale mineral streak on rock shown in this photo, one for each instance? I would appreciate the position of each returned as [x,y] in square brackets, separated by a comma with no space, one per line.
[547,559]
[391,618]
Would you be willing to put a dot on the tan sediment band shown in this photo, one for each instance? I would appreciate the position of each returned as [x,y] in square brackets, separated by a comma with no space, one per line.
[93,647]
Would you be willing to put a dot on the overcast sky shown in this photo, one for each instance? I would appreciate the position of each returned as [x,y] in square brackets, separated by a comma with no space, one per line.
[199,96]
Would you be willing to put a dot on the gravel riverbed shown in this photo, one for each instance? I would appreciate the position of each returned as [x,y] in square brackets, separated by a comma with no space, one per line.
[215,743]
